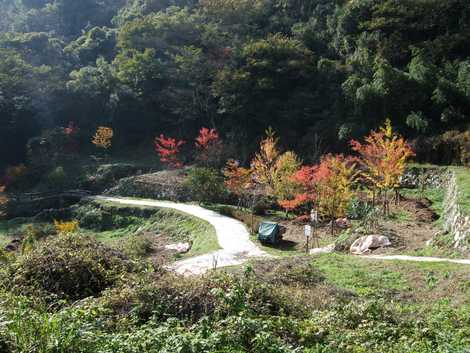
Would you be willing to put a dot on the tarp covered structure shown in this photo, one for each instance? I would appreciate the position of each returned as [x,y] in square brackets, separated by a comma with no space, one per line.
[269,232]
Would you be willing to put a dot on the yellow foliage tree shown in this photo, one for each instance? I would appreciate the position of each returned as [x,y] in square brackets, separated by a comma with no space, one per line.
[334,177]
[66,228]
[103,137]
[264,164]
[384,157]
[274,170]
[285,187]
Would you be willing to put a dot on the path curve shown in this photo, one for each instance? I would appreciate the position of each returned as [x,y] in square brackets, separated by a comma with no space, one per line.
[417,258]
[232,235]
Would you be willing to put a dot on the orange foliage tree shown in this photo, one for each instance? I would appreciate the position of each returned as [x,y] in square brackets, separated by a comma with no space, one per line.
[383,157]
[238,180]
[168,149]
[209,146]
[103,137]
[328,186]
[272,169]
[305,181]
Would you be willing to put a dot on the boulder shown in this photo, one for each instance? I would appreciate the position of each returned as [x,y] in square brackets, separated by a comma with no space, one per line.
[181,248]
[325,250]
[343,223]
[367,243]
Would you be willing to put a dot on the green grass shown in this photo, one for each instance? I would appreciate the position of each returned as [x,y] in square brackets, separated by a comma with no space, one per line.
[401,216]
[11,229]
[367,277]
[463,181]
[362,277]
[177,225]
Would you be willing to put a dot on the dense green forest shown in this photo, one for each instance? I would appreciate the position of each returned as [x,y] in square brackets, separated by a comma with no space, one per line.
[318,71]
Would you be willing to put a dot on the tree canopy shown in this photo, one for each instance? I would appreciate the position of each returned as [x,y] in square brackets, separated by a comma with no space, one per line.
[334,69]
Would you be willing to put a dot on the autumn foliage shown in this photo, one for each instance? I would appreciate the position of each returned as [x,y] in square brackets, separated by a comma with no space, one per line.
[103,137]
[168,150]
[264,163]
[209,146]
[335,177]
[237,179]
[383,158]
[66,228]
[327,186]
[273,171]
[305,179]
[71,132]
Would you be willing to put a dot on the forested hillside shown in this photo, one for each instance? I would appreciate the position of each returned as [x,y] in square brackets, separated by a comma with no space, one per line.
[320,72]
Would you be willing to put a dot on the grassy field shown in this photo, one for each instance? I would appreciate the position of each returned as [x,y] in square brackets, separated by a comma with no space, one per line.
[413,282]
[125,222]
[178,226]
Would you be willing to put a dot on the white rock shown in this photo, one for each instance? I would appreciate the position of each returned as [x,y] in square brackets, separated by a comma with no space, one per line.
[366,243]
[179,247]
[325,250]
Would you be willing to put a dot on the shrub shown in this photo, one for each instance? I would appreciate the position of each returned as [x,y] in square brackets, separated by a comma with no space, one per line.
[206,185]
[18,177]
[69,268]
[66,227]
[28,329]
[358,209]
[138,245]
[57,178]
[91,216]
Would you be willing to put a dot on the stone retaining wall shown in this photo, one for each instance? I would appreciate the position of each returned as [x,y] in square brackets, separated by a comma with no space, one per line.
[456,222]
[430,177]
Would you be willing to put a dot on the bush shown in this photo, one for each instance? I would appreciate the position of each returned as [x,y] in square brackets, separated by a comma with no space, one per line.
[358,209]
[57,178]
[451,147]
[138,245]
[19,178]
[91,216]
[68,267]
[206,185]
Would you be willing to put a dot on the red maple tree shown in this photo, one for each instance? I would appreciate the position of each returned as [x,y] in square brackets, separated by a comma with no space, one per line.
[209,146]
[306,177]
[71,132]
[168,149]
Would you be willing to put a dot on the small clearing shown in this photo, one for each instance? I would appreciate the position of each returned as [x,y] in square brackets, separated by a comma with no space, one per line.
[232,235]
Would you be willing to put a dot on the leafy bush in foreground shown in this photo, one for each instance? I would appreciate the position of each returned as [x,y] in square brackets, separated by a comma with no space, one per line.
[69,267]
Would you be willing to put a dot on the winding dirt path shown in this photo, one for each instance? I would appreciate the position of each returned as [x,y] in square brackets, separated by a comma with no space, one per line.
[232,235]
[235,242]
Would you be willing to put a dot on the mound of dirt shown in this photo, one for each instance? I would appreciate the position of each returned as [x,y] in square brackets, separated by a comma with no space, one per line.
[163,185]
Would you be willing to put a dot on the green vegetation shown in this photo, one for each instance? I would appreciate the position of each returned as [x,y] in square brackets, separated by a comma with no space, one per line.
[315,70]
[326,304]
[94,91]
[116,225]
[463,181]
